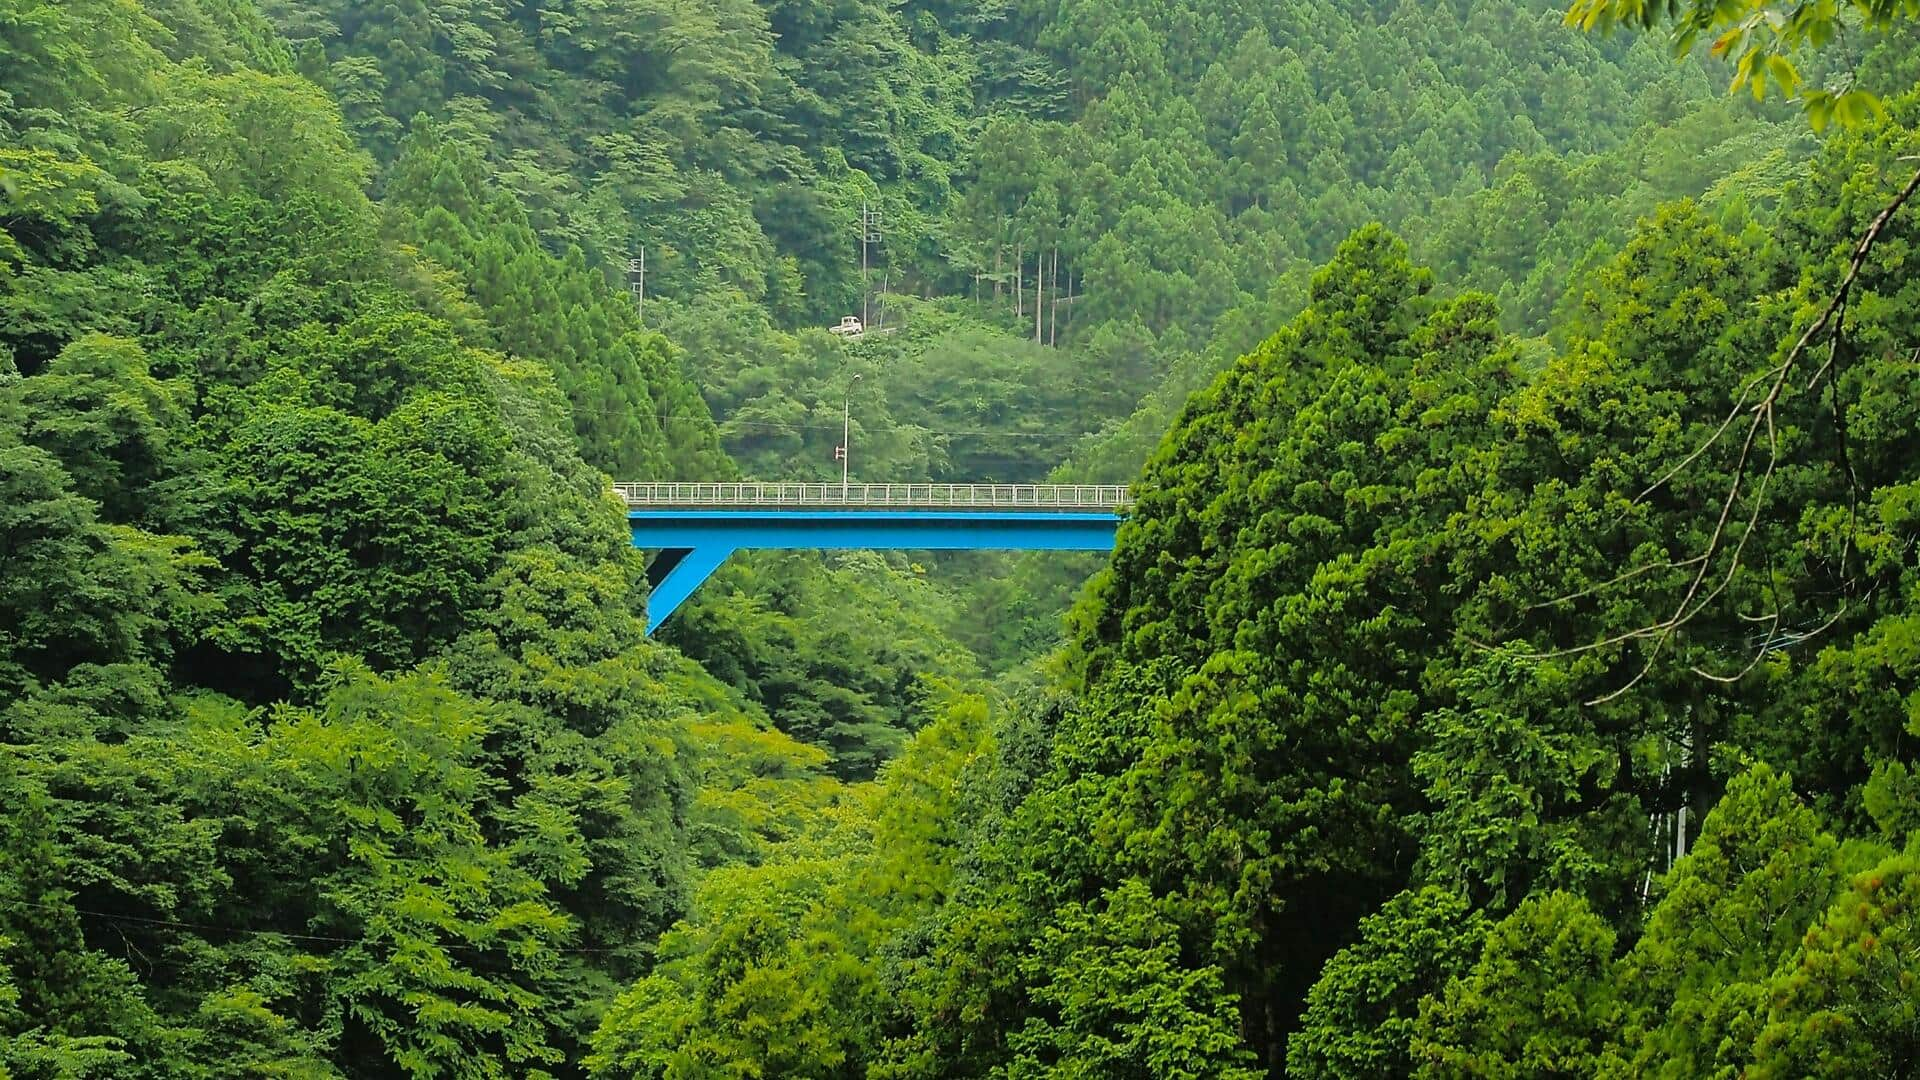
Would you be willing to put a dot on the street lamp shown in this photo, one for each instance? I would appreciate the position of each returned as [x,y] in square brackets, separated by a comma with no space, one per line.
[845,450]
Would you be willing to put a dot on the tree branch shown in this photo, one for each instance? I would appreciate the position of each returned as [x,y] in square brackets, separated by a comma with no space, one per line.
[1830,323]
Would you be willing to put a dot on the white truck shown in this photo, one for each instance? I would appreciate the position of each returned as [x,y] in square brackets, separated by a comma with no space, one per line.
[849,327]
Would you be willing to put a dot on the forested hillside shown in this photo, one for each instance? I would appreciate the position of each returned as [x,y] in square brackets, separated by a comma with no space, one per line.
[1117,182]
[1506,668]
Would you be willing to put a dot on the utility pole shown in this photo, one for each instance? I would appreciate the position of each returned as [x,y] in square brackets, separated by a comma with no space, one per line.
[1067,300]
[845,450]
[1053,313]
[870,233]
[637,281]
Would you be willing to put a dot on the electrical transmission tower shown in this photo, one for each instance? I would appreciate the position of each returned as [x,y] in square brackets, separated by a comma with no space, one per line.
[637,281]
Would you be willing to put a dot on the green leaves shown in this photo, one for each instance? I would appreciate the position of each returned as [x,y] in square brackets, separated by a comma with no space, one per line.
[79,592]
[633,408]
[1852,108]
[1758,877]
[257,454]
[331,743]
[1846,1005]
[98,408]
[1505,795]
[1537,1003]
[453,938]
[1761,38]
[1363,1012]
[40,186]
[1342,651]
[847,656]
[1115,1000]
[779,970]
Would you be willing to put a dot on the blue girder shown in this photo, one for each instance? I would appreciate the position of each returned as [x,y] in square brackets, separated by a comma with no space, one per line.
[693,543]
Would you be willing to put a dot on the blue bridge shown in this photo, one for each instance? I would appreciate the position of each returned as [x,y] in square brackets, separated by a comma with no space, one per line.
[694,527]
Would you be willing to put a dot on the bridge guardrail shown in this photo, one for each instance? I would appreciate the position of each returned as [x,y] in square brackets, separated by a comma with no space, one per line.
[899,496]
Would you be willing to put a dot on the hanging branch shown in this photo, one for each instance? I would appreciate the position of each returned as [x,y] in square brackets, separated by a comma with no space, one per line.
[1830,323]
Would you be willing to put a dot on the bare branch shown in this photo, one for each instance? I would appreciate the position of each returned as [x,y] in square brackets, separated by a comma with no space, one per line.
[1750,479]
[1610,583]
[1739,406]
[1759,654]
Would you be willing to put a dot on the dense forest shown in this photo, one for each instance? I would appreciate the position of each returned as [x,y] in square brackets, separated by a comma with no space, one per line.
[1505,668]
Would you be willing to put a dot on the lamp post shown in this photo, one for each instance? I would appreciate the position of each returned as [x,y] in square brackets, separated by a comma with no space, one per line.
[846,435]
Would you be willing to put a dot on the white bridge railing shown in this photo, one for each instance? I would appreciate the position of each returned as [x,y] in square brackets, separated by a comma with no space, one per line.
[929,496]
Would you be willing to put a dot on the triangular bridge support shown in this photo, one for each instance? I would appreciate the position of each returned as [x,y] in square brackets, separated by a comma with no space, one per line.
[674,574]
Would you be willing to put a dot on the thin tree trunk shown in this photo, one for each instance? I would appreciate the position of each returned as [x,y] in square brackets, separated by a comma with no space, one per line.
[1039,291]
[1019,283]
[998,253]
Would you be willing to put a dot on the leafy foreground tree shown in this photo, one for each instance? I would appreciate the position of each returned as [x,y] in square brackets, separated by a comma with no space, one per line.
[1362,1013]
[330,740]
[1764,43]
[1536,1003]
[1757,880]
[773,973]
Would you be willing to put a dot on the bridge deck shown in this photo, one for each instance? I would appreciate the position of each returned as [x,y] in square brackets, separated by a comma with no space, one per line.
[695,527]
[752,495]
